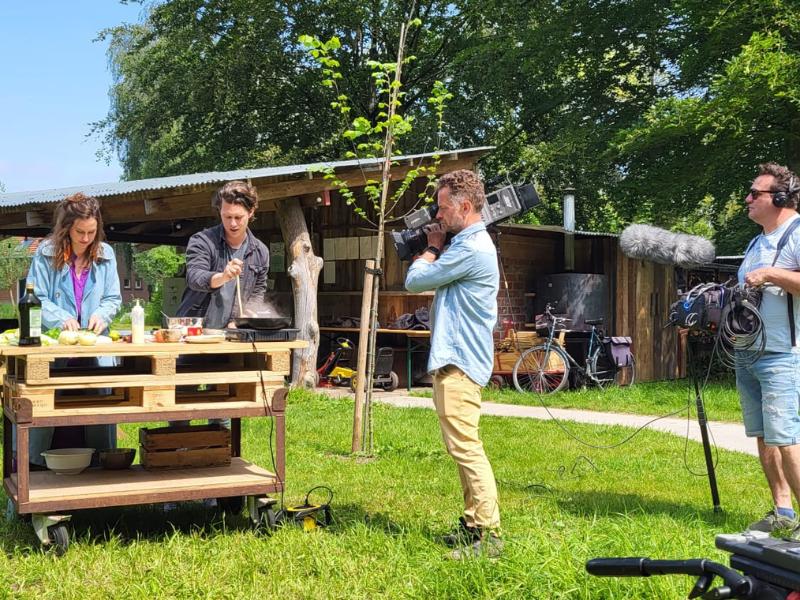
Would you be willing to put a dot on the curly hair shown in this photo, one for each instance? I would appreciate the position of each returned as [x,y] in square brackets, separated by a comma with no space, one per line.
[464,185]
[71,209]
[236,192]
[785,181]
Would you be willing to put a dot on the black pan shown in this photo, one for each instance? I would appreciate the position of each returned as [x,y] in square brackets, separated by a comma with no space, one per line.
[262,322]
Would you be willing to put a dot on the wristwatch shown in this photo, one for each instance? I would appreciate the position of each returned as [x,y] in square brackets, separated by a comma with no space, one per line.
[434,250]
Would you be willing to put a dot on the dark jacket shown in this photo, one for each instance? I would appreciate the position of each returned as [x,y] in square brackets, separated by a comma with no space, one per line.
[205,256]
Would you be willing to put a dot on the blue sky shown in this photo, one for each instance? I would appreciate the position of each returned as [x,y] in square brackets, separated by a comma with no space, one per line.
[54,81]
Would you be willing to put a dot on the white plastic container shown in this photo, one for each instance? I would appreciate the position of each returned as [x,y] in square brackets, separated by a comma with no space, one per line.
[68,461]
[137,324]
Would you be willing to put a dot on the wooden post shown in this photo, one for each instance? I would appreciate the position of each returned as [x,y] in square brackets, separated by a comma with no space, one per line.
[304,272]
[363,343]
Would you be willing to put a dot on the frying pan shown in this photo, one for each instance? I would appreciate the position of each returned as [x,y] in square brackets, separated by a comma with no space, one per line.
[262,322]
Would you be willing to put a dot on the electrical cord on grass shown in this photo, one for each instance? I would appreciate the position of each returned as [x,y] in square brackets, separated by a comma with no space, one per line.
[268,412]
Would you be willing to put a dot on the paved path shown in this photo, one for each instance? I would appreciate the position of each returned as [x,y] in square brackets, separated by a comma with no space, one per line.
[726,435]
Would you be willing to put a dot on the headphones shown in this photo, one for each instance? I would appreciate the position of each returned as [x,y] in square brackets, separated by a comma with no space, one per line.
[781,199]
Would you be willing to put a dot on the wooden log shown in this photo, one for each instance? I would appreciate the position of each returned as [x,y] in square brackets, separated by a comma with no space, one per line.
[304,271]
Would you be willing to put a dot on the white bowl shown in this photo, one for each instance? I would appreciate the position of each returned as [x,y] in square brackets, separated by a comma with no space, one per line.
[68,461]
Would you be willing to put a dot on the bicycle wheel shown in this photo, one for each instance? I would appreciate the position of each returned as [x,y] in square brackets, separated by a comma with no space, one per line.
[541,369]
[604,372]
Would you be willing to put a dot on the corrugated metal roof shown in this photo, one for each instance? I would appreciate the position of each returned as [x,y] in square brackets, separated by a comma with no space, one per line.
[100,190]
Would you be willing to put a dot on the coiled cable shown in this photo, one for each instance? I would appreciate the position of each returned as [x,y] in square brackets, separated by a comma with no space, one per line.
[741,338]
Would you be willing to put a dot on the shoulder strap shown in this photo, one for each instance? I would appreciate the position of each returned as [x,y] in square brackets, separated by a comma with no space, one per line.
[784,239]
[789,298]
[752,243]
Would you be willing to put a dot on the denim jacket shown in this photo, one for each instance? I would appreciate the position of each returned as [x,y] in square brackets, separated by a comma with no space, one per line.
[466,278]
[205,256]
[101,296]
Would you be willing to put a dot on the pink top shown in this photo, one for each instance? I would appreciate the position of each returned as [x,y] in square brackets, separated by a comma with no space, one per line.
[78,285]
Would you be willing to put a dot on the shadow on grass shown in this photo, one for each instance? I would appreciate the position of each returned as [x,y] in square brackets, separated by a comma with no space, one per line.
[127,524]
[151,523]
[590,503]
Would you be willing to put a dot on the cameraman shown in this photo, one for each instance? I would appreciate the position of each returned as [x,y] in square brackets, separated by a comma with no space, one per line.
[769,389]
[466,280]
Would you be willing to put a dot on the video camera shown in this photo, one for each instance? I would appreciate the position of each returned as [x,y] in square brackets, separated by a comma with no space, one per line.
[504,203]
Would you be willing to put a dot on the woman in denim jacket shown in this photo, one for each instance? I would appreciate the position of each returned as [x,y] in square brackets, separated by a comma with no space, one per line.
[74,274]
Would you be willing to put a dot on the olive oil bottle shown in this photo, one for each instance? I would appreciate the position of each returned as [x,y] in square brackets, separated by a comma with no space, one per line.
[30,318]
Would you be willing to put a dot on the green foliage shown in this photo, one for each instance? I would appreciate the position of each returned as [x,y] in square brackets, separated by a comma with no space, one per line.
[651,109]
[154,266]
[158,263]
[373,139]
[203,86]
[8,311]
[14,264]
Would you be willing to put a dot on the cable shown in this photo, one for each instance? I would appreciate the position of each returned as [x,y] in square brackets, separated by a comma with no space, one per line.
[268,413]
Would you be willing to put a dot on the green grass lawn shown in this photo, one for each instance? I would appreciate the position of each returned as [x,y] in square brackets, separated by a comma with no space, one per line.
[562,503]
[657,398]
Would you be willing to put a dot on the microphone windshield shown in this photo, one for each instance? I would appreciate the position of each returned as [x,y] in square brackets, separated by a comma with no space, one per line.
[645,242]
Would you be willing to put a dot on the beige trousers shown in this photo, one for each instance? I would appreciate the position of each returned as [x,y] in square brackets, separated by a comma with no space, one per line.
[458,403]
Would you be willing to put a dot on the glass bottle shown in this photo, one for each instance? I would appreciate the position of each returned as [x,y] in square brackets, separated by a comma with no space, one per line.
[30,318]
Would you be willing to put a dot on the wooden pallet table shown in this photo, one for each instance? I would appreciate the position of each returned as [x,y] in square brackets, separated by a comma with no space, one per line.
[149,382]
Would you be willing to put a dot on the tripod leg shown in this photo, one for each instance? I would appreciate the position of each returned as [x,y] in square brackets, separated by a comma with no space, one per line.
[703,423]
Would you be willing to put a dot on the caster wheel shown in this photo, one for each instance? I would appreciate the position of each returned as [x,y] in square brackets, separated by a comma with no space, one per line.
[268,520]
[353,383]
[59,538]
[393,383]
[233,505]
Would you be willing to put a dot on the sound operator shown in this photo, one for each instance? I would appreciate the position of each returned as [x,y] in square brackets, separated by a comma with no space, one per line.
[770,387]
[466,279]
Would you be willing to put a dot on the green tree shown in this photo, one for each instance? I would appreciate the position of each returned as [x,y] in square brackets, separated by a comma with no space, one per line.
[204,85]
[739,105]
[14,264]
[646,107]
[154,266]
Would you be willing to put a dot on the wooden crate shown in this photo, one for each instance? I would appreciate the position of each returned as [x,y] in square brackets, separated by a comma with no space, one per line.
[505,361]
[187,446]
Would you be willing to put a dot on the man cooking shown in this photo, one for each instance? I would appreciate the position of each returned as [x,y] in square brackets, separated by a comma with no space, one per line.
[218,255]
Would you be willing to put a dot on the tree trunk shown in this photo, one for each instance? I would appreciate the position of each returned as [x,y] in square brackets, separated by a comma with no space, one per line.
[304,271]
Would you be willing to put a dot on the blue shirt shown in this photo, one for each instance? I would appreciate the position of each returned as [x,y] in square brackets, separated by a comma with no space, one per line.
[466,279]
[101,296]
[774,307]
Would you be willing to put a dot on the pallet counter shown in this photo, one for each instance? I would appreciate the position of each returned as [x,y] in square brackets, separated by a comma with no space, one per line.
[150,382]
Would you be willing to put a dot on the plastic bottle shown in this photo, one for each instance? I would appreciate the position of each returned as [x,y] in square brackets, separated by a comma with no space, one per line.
[137,324]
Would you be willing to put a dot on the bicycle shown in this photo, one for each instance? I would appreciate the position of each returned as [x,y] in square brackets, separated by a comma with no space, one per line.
[545,368]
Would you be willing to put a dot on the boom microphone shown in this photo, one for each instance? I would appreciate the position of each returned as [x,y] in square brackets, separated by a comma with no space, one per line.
[645,242]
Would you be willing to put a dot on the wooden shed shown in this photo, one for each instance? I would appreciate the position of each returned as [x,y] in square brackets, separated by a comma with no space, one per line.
[301,217]
[633,299]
